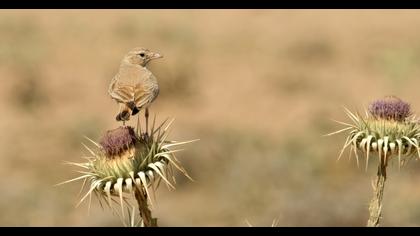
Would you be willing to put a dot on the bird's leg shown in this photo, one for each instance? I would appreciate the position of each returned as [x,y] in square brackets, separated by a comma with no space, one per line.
[146,115]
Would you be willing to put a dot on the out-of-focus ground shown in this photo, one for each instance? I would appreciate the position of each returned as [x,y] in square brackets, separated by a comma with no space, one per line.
[257,87]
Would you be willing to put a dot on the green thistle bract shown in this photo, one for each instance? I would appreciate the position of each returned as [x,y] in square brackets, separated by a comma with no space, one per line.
[388,129]
[125,159]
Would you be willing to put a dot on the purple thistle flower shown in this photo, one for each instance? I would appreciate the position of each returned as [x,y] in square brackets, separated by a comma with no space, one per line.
[119,140]
[390,108]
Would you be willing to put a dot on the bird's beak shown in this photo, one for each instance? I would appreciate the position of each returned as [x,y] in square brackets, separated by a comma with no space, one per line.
[156,55]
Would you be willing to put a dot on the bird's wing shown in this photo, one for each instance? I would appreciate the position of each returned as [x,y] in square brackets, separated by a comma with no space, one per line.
[142,95]
[120,92]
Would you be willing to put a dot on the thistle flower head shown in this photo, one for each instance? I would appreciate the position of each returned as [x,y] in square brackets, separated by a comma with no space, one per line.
[125,159]
[390,108]
[388,129]
[118,141]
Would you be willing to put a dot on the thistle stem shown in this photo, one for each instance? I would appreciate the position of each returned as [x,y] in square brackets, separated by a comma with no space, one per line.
[144,210]
[375,206]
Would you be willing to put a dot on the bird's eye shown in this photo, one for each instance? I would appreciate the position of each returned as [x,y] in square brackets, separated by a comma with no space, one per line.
[141,54]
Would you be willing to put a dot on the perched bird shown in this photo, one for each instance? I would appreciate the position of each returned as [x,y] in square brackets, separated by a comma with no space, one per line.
[134,87]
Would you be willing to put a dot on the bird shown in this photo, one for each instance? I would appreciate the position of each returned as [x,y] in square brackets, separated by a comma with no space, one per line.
[134,87]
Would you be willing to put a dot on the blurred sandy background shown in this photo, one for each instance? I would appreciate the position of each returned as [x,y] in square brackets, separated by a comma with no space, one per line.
[257,87]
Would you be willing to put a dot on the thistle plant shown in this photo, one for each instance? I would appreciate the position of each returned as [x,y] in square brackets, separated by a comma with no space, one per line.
[388,130]
[129,162]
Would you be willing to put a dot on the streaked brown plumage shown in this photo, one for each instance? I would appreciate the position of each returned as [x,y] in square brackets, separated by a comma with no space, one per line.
[134,87]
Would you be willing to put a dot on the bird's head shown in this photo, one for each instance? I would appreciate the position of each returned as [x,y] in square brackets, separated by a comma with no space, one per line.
[141,56]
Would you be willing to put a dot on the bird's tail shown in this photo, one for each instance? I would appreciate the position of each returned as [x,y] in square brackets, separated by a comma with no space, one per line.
[130,109]
[133,107]
[124,115]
